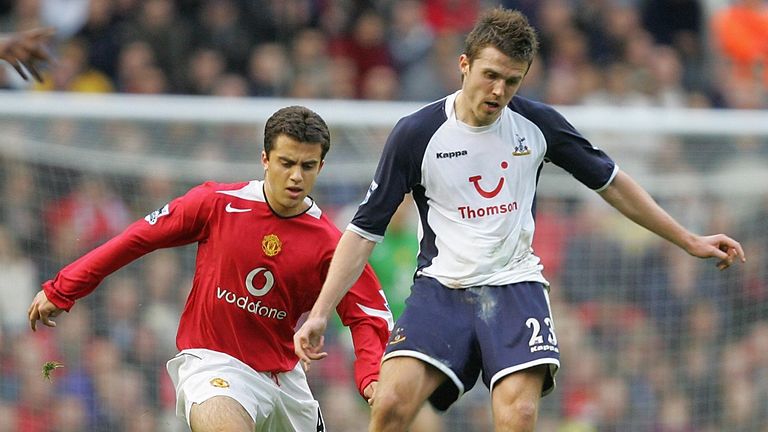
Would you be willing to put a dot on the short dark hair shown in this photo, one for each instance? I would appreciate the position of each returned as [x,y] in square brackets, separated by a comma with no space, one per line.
[506,30]
[299,123]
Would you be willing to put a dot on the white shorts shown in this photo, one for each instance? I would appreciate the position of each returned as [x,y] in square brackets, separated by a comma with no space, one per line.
[280,402]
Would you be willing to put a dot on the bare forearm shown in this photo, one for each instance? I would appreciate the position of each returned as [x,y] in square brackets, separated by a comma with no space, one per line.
[635,203]
[348,262]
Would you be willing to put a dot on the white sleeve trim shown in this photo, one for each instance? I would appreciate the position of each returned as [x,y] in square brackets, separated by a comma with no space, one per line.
[365,234]
[610,180]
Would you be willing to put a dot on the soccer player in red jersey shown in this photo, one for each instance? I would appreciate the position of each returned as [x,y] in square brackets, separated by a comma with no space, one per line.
[263,250]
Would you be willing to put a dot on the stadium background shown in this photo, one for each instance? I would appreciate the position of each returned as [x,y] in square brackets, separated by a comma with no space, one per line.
[652,340]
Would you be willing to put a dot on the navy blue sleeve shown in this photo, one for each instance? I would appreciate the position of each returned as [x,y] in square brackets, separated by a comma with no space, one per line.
[399,169]
[566,147]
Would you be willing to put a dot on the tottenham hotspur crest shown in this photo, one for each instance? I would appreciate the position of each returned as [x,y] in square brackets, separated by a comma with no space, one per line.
[271,245]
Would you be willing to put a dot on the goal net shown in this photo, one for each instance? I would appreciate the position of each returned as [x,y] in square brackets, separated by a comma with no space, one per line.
[651,338]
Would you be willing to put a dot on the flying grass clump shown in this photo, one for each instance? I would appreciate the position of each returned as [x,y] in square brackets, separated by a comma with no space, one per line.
[49,367]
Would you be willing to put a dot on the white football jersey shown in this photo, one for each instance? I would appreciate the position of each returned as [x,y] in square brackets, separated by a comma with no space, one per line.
[475,188]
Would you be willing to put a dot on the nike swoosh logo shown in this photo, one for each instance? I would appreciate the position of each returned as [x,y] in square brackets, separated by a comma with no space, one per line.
[231,209]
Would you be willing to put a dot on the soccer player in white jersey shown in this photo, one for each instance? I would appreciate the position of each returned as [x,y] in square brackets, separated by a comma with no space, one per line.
[479,302]
[263,250]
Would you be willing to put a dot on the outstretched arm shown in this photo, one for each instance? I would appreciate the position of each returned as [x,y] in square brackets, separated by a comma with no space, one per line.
[347,264]
[635,203]
[25,49]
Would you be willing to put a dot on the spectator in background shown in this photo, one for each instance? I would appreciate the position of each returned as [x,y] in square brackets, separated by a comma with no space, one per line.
[18,281]
[86,217]
[169,36]
[8,421]
[674,414]
[410,38]
[452,16]
[102,41]
[590,246]
[162,277]
[120,307]
[73,73]
[667,75]
[380,83]
[22,16]
[69,414]
[220,28]
[66,16]
[672,22]
[740,31]
[366,46]
[21,211]
[343,73]
[231,85]
[679,24]
[138,72]
[206,66]
[269,70]
[433,78]
[310,59]
[25,49]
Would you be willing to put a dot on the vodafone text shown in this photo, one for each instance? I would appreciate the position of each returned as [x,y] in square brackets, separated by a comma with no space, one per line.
[245,303]
[468,212]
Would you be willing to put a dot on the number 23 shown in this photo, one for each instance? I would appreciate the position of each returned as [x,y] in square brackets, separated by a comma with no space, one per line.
[536,337]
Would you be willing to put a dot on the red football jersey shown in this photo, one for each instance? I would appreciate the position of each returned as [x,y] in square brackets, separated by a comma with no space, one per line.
[256,274]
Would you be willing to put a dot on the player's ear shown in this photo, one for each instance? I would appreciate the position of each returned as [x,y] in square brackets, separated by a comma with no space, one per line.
[264,159]
[464,64]
[319,167]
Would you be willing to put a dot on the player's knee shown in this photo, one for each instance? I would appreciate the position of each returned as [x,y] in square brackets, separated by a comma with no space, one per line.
[386,403]
[519,416]
[389,406]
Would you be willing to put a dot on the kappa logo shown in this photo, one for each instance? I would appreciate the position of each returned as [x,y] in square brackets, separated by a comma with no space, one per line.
[451,154]
[219,382]
[230,209]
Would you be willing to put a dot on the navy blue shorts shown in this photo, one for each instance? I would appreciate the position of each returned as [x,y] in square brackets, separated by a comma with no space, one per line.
[494,329]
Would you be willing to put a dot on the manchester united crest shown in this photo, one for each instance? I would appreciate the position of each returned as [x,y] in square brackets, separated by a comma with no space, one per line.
[219,382]
[271,245]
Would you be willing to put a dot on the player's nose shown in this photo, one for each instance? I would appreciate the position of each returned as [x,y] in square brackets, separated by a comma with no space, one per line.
[296,175]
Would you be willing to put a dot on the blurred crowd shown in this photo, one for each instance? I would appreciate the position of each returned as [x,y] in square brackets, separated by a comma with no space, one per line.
[668,53]
[651,339]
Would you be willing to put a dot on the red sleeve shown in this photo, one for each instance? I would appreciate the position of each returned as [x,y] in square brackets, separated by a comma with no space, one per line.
[365,311]
[182,221]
